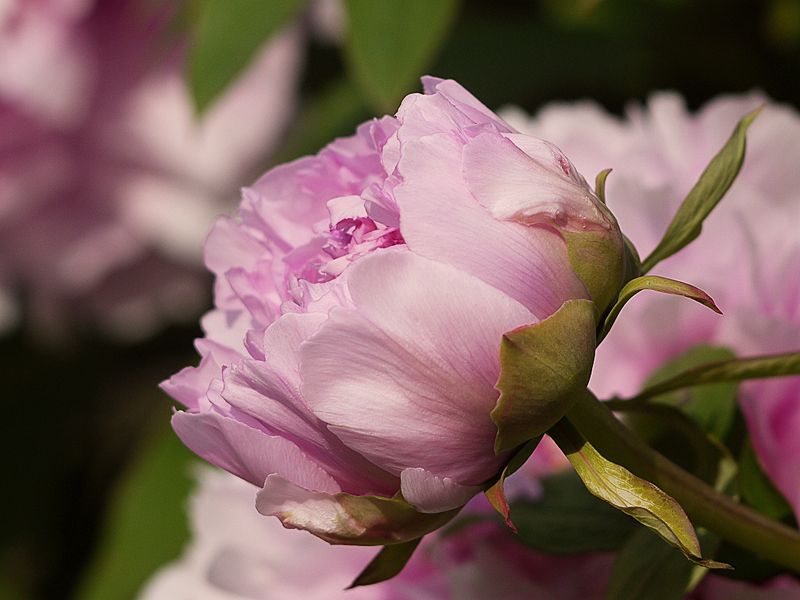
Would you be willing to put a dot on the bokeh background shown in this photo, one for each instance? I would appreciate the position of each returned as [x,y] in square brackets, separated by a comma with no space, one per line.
[152,115]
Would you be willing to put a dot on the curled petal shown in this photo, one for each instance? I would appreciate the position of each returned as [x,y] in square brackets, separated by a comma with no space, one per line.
[343,518]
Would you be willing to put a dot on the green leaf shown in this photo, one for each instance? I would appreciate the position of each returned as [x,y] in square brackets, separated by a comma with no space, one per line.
[146,526]
[495,492]
[678,437]
[756,488]
[648,568]
[714,182]
[726,371]
[712,406]
[542,367]
[566,519]
[227,35]
[390,44]
[655,284]
[386,564]
[632,495]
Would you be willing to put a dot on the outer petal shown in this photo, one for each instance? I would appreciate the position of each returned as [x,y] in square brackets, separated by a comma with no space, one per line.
[431,494]
[269,391]
[247,452]
[529,264]
[463,101]
[345,519]
[528,187]
[190,384]
[407,377]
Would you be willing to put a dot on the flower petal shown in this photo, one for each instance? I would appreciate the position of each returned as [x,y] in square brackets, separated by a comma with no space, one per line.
[537,186]
[407,376]
[529,264]
[247,452]
[431,494]
[270,393]
[345,519]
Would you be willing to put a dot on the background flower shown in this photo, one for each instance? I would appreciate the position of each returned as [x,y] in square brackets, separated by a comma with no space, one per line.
[109,179]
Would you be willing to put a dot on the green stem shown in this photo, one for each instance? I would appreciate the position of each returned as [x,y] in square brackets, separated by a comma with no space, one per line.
[704,505]
[725,371]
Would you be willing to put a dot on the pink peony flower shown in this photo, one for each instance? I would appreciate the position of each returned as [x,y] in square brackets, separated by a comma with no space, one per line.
[747,258]
[235,553]
[361,297]
[108,179]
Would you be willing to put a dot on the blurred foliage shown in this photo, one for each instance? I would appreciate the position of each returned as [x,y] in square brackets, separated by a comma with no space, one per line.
[146,526]
[757,490]
[711,406]
[389,44]
[567,519]
[647,567]
[226,35]
[76,415]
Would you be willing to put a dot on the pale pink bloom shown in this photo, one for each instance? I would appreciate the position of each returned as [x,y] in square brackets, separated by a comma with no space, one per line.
[747,257]
[361,296]
[108,179]
[235,553]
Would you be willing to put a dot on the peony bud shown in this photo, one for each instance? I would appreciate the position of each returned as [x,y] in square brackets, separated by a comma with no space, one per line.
[362,296]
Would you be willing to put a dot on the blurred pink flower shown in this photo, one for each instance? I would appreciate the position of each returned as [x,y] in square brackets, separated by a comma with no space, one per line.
[720,588]
[108,180]
[747,258]
[235,553]
[361,297]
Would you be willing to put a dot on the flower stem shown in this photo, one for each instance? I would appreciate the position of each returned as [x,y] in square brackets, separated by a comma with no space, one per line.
[705,506]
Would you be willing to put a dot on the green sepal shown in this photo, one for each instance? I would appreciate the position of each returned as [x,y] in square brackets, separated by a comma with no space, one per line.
[655,283]
[633,264]
[600,184]
[632,495]
[715,181]
[495,491]
[386,564]
[542,369]
[597,256]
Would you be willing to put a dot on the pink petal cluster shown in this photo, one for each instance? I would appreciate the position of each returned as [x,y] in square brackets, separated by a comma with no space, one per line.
[361,296]
[108,179]
[235,553]
[747,258]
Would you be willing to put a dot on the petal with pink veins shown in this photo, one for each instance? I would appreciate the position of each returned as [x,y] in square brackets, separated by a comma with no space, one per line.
[407,377]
